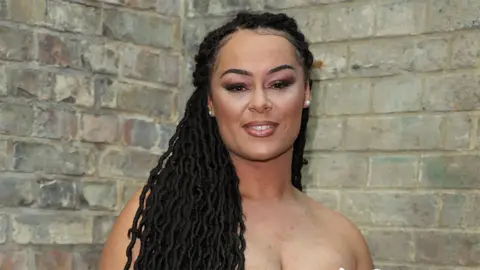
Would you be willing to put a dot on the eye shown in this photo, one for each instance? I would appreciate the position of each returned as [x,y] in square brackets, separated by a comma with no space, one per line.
[280,84]
[235,87]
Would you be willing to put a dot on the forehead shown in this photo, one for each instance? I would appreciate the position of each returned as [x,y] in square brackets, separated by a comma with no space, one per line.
[256,49]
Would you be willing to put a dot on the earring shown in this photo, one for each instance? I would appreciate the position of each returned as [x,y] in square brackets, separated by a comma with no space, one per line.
[307,103]
[210,112]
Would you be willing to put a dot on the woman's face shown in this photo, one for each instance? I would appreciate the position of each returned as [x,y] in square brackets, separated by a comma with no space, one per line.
[258,91]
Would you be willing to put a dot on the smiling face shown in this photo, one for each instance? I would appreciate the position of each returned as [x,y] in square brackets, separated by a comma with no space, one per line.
[258,92]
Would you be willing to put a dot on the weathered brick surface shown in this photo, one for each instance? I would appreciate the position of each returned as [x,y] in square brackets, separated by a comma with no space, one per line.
[90,92]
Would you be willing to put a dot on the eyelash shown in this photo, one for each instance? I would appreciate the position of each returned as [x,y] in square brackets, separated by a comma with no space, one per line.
[275,85]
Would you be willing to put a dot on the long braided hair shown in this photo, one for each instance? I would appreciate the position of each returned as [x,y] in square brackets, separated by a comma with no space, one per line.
[192,217]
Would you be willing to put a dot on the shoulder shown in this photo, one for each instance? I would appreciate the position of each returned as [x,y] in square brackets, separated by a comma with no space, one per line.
[114,251]
[348,232]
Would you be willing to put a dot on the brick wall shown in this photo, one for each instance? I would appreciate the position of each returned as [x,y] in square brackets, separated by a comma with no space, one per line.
[89,95]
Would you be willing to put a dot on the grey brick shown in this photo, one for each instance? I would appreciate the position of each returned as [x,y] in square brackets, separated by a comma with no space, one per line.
[166,132]
[400,17]
[194,31]
[466,50]
[87,258]
[448,172]
[101,57]
[221,7]
[3,230]
[140,133]
[26,11]
[448,15]
[325,134]
[393,171]
[431,54]
[451,92]
[156,31]
[336,170]
[387,208]
[452,214]
[99,196]
[135,164]
[62,159]
[397,94]
[447,248]
[458,131]
[54,123]
[350,22]
[390,245]
[16,191]
[394,133]
[334,58]
[52,229]
[313,23]
[59,51]
[392,56]
[15,44]
[15,119]
[99,128]
[31,83]
[102,228]
[74,17]
[4,145]
[105,92]
[74,88]
[57,194]
[151,66]
[281,4]
[328,198]
[347,97]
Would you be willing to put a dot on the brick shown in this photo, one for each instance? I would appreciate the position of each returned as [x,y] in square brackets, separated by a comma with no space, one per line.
[450,172]
[160,67]
[62,159]
[52,229]
[147,100]
[452,214]
[466,50]
[458,131]
[99,196]
[394,133]
[15,119]
[26,11]
[336,171]
[74,17]
[313,22]
[447,248]
[86,258]
[327,198]
[334,58]
[325,134]
[101,57]
[105,92]
[3,81]
[194,31]
[388,58]
[397,94]
[390,245]
[156,31]
[142,4]
[281,4]
[114,163]
[57,194]
[99,128]
[53,260]
[386,208]
[347,97]
[16,191]
[471,216]
[59,51]
[452,92]
[4,145]
[393,171]
[15,44]
[14,259]
[102,228]
[221,7]
[169,7]
[3,231]
[350,22]
[448,15]
[53,123]
[31,83]
[74,88]
[390,266]
[400,17]
[166,132]
[432,54]
[140,133]
[129,189]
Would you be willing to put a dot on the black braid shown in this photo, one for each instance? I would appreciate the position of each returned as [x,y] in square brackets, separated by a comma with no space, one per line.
[192,218]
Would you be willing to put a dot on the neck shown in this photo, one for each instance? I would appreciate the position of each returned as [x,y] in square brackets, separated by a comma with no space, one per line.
[265,181]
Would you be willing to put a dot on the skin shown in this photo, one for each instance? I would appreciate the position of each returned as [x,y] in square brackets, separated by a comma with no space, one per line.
[258,77]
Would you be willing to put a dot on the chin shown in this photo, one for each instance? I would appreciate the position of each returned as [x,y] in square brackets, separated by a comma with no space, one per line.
[261,155]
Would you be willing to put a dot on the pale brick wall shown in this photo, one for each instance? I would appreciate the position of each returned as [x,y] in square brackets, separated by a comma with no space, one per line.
[89,95]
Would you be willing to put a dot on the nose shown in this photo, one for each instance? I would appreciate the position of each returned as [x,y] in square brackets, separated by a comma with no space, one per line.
[259,101]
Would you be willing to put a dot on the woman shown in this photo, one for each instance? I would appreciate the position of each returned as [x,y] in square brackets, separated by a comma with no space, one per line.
[227,193]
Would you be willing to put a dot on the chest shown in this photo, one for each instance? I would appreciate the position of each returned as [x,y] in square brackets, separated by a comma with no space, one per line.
[289,242]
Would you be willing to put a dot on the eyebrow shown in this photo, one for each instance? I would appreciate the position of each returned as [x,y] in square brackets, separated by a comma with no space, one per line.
[244,72]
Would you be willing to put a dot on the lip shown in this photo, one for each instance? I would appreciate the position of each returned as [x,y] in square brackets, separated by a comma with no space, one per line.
[260,129]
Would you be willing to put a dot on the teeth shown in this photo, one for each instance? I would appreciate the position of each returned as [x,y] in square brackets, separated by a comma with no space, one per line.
[260,128]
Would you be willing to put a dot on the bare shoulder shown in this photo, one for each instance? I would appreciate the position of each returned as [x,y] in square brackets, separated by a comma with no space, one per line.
[114,251]
[350,234]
